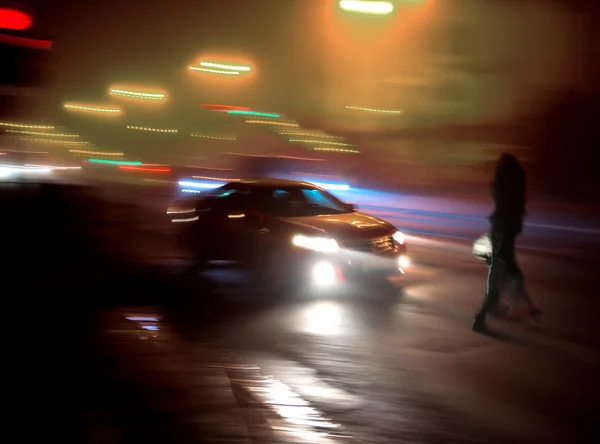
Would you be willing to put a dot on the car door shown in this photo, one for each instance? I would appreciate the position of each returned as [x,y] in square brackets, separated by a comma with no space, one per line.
[238,226]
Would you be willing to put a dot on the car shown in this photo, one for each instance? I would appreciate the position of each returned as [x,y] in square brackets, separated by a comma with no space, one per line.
[228,167]
[290,233]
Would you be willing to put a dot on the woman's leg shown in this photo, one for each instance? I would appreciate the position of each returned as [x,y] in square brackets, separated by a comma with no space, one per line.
[495,279]
[515,274]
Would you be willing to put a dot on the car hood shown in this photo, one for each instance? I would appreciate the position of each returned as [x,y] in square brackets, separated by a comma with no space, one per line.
[348,226]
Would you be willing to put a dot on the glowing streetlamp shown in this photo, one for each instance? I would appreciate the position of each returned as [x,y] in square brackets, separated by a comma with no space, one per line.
[367,7]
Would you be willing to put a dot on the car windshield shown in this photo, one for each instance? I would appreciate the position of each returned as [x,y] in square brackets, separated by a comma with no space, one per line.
[298,201]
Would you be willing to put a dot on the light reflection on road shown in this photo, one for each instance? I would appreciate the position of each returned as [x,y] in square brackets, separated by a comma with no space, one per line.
[323,318]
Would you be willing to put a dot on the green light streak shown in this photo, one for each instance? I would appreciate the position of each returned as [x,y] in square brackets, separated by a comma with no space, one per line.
[114,162]
[253,113]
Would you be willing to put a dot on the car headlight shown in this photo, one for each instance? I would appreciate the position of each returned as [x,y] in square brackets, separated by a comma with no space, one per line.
[324,274]
[399,237]
[322,244]
[403,262]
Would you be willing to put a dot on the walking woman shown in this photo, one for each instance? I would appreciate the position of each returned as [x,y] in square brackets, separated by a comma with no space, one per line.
[508,192]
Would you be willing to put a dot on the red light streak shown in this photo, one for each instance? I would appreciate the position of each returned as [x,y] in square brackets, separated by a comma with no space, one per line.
[226,107]
[13,19]
[26,43]
[153,170]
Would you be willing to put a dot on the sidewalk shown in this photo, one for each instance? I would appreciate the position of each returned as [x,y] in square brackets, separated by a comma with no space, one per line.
[204,395]
[179,386]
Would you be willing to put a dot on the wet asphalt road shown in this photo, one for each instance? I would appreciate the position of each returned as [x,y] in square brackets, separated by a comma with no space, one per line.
[404,366]
[397,365]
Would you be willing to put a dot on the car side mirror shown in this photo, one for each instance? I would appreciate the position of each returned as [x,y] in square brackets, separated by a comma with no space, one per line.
[352,207]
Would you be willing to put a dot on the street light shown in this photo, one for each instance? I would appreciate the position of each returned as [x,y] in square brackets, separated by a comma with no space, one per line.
[367,7]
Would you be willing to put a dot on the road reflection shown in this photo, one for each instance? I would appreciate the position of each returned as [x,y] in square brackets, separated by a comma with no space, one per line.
[323,318]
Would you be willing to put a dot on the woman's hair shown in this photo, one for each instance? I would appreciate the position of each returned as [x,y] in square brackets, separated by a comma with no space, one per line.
[509,167]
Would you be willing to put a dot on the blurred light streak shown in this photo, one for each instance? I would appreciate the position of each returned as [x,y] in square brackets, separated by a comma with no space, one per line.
[331,176]
[25,151]
[136,94]
[172,210]
[336,150]
[159,181]
[136,168]
[55,142]
[225,107]
[53,167]
[155,130]
[25,42]
[151,327]
[208,168]
[190,184]
[226,67]
[367,7]
[193,191]
[187,219]
[214,71]
[22,125]
[277,157]
[307,133]
[14,19]
[202,136]
[114,162]
[92,109]
[216,178]
[254,113]
[332,186]
[11,169]
[319,141]
[37,133]
[26,167]
[95,153]
[142,318]
[372,110]
[267,122]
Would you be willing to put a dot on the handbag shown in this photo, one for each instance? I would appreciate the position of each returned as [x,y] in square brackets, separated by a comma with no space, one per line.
[482,248]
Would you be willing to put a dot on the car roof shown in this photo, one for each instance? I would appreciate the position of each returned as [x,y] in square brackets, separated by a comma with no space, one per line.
[273,183]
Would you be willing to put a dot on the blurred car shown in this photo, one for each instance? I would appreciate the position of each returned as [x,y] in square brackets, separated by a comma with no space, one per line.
[290,233]
[228,167]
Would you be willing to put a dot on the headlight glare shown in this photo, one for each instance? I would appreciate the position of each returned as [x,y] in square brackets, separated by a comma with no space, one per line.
[324,274]
[399,237]
[322,244]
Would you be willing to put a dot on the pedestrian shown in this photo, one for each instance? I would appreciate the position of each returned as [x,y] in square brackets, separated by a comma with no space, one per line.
[508,192]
